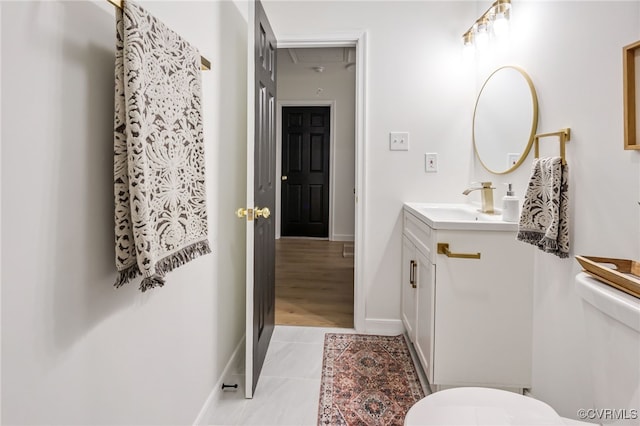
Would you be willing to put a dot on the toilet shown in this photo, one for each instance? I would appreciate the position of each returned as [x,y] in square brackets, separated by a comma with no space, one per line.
[611,318]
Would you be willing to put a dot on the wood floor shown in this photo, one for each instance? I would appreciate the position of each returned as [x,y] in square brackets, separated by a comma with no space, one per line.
[314,283]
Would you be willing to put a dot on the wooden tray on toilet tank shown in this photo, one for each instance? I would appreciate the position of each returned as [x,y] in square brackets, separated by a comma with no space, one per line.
[622,274]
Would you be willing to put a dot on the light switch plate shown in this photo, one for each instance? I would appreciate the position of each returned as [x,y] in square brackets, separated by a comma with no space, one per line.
[399,141]
[431,162]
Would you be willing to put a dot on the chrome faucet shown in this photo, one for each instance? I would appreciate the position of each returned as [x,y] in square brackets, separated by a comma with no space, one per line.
[487,196]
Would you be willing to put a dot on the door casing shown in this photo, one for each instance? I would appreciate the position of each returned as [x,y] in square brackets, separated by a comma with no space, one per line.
[358,40]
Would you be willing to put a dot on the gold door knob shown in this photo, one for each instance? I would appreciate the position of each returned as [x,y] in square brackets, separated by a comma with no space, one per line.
[284,177]
[263,212]
[241,212]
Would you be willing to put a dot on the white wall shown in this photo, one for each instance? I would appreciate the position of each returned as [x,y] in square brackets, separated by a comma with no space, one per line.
[578,77]
[74,349]
[297,82]
[0,219]
[417,82]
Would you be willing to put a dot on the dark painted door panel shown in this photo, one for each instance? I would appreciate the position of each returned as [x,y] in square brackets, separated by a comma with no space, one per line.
[305,171]
[264,191]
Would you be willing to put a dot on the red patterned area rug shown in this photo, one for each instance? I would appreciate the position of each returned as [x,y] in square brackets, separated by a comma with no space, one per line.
[367,380]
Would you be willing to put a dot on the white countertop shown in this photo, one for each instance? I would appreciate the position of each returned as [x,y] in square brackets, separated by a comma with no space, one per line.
[458,217]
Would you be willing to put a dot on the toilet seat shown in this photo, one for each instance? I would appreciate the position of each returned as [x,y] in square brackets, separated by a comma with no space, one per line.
[480,406]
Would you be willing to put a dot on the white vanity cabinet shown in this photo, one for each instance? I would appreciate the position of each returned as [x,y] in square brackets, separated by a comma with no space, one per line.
[470,320]
[417,288]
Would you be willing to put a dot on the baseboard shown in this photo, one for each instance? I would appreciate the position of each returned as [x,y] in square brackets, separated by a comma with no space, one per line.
[342,237]
[386,327]
[233,360]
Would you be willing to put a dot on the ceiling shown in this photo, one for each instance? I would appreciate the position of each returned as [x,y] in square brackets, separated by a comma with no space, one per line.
[321,56]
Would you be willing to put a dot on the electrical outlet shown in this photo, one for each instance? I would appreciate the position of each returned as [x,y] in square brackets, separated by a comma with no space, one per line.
[512,159]
[431,162]
[399,141]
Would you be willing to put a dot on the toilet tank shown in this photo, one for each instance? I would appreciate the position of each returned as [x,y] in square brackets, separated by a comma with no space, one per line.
[612,325]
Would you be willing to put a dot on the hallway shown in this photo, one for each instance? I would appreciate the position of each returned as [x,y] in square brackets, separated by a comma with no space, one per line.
[314,283]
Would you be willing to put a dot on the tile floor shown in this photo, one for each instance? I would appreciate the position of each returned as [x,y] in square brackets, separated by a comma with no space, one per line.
[289,387]
[288,391]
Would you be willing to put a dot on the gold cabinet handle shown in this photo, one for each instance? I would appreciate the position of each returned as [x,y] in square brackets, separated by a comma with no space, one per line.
[263,212]
[443,248]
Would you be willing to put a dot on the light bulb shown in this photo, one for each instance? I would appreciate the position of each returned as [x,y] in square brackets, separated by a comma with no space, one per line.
[481,36]
[500,25]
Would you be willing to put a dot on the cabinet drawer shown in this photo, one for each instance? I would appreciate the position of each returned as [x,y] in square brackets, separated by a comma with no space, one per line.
[419,233]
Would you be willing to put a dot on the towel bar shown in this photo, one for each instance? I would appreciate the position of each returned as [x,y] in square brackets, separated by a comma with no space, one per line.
[206,64]
[565,136]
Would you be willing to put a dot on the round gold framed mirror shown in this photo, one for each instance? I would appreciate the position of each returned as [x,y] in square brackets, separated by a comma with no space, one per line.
[505,119]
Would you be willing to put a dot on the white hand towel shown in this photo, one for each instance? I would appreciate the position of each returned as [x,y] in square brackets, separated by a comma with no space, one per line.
[160,206]
[544,220]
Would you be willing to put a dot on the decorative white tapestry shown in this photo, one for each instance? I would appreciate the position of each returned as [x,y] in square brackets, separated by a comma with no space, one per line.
[159,178]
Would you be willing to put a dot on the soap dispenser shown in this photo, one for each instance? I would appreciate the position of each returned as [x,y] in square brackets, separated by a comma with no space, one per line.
[510,206]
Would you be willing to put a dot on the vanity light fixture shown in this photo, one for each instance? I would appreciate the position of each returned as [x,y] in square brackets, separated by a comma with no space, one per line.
[495,20]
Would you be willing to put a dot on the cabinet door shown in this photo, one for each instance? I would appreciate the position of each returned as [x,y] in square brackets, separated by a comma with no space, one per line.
[483,323]
[409,302]
[425,314]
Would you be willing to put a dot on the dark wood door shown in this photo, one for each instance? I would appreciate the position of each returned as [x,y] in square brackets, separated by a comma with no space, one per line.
[305,171]
[264,191]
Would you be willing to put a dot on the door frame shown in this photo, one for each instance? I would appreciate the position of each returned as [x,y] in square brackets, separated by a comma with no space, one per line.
[357,39]
[332,118]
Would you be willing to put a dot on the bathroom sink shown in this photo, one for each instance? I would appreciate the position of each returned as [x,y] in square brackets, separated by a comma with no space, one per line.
[459,216]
